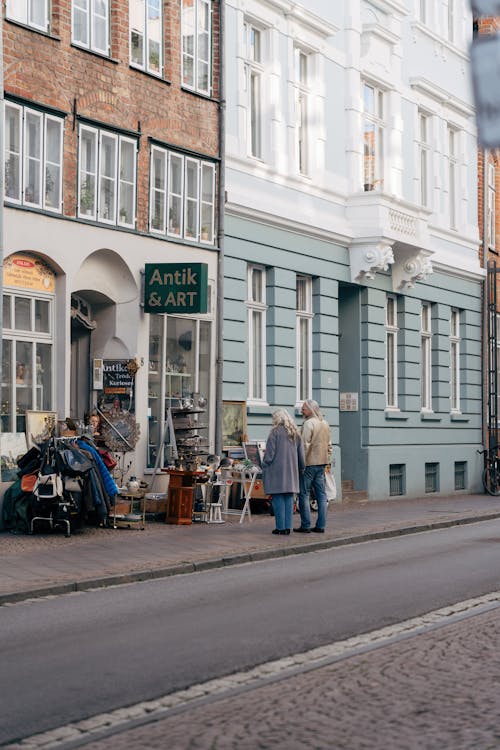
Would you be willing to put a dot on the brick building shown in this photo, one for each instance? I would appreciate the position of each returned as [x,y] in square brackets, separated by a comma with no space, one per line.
[111,162]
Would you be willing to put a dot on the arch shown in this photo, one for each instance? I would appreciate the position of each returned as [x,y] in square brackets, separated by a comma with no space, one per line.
[104,274]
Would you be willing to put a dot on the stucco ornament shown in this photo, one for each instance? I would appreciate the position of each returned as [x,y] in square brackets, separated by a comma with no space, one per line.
[407,271]
[367,260]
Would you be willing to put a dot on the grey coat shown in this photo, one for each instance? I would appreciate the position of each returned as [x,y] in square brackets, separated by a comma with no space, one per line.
[283,460]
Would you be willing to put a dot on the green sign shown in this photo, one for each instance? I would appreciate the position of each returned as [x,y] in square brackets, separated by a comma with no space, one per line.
[176,288]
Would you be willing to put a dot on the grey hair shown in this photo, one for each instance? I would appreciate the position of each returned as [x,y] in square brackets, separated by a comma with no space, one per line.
[283,418]
[314,407]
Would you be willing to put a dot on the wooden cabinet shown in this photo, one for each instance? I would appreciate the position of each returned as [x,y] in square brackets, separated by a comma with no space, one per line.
[180,496]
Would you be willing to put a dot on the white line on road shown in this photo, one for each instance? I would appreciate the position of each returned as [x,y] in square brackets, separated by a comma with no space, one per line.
[82,732]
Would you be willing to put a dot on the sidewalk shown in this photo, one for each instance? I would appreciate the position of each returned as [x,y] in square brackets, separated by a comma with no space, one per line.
[46,564]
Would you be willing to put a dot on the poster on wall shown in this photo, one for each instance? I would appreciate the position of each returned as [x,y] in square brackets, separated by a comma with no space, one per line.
[118,376]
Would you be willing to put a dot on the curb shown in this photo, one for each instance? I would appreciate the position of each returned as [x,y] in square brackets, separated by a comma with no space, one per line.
[237,559]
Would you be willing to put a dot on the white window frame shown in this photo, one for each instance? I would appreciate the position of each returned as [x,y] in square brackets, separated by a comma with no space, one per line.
[373,123]
[426,357]
[452,149]
[491,206]
[23,11]
[198,10]
[422,11]
[391,352]
[34,338]
[257,313]
[89,10]
[424,160]
[451,31]
[96,171]
[455,361]
[254,73]
[202,200]
[302,109]
[23,116]
[303,338]
[141,24]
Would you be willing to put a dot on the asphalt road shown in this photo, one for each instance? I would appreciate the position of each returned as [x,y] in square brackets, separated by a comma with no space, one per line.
[73,656]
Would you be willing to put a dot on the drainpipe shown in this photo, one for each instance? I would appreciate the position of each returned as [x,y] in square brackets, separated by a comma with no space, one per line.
[220,263]
[485,304]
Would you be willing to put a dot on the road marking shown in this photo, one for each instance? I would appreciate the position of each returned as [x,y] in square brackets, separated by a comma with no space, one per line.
[99,726]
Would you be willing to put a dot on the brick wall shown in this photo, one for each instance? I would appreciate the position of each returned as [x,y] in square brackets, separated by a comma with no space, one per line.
[48,70]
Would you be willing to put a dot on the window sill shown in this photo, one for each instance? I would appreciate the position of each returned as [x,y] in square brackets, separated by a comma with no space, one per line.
[458,418]
[258,407]
[33,28]
[396,415]
[95,53]
[148,73]
[200,94]
[429,416]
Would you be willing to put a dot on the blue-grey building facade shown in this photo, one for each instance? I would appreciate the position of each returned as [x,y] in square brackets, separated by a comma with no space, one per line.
[352,272]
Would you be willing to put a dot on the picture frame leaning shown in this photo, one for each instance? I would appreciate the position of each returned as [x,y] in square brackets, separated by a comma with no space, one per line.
[40,426]
[234,424]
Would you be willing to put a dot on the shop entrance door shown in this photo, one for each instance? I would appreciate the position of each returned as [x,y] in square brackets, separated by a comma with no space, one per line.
[81,331]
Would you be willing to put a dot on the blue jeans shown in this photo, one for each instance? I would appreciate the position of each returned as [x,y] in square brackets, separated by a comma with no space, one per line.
[313,476]
[283,510]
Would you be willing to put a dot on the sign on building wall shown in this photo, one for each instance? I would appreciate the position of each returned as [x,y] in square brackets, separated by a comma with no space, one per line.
[28,272]
[348,402]
[176,288]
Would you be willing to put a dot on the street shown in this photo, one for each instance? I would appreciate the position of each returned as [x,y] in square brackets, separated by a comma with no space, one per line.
[75,656]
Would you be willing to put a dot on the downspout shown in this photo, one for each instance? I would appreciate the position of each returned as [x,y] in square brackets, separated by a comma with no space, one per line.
[219,374]
[2,188]
[485,311]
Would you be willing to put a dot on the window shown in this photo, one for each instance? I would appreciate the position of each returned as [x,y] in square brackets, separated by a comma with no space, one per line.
[304,337]
[302,95]
[391,346]
[90,25]
[460,475]
[27,357]
[196,45]
[146,35]
[491,207]
[424,157]
[373,137]
[452,176]
[182,196]
[256,333]
[397,479]
[426,361]
[107,177]
[180,363]
[432,477]
[33,157]
[33,13]
[455,360]
[253,82]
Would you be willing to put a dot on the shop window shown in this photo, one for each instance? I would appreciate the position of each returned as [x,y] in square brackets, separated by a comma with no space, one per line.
[33,157]
[180,363]
[107,177]
[34,13]
[27,357]
[182,196]
[196,45]
[90,25]
[146,42]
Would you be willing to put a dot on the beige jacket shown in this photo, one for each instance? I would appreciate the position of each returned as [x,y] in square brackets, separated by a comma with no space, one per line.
[316,438]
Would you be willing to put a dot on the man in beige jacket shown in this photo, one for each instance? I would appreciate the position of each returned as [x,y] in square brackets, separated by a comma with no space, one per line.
[317,448]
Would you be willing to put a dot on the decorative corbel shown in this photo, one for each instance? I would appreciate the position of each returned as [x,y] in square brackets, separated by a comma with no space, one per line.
[409,269]
[367,259]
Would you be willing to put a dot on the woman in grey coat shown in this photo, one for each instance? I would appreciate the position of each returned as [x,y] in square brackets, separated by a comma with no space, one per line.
[283,460]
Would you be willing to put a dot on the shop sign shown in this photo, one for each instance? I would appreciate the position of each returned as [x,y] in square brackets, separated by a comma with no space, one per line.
[117,378]
[28,272]
[176,288]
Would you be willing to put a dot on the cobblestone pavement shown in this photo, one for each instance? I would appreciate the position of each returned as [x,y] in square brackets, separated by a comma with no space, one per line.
[434,691]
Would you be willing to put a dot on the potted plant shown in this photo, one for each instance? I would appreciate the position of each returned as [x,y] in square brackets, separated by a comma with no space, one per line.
[86,199]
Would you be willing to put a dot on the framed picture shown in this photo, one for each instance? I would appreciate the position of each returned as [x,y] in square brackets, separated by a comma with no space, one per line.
[12,447]
[40,426]
[234,423]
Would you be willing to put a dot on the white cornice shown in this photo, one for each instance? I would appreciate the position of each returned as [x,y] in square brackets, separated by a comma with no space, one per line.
[440,40]
[316,24]
[376,29]
[389,6]
[440,95]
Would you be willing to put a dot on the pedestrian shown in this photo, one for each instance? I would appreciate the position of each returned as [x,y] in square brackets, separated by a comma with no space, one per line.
[283,461]
[317,448]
